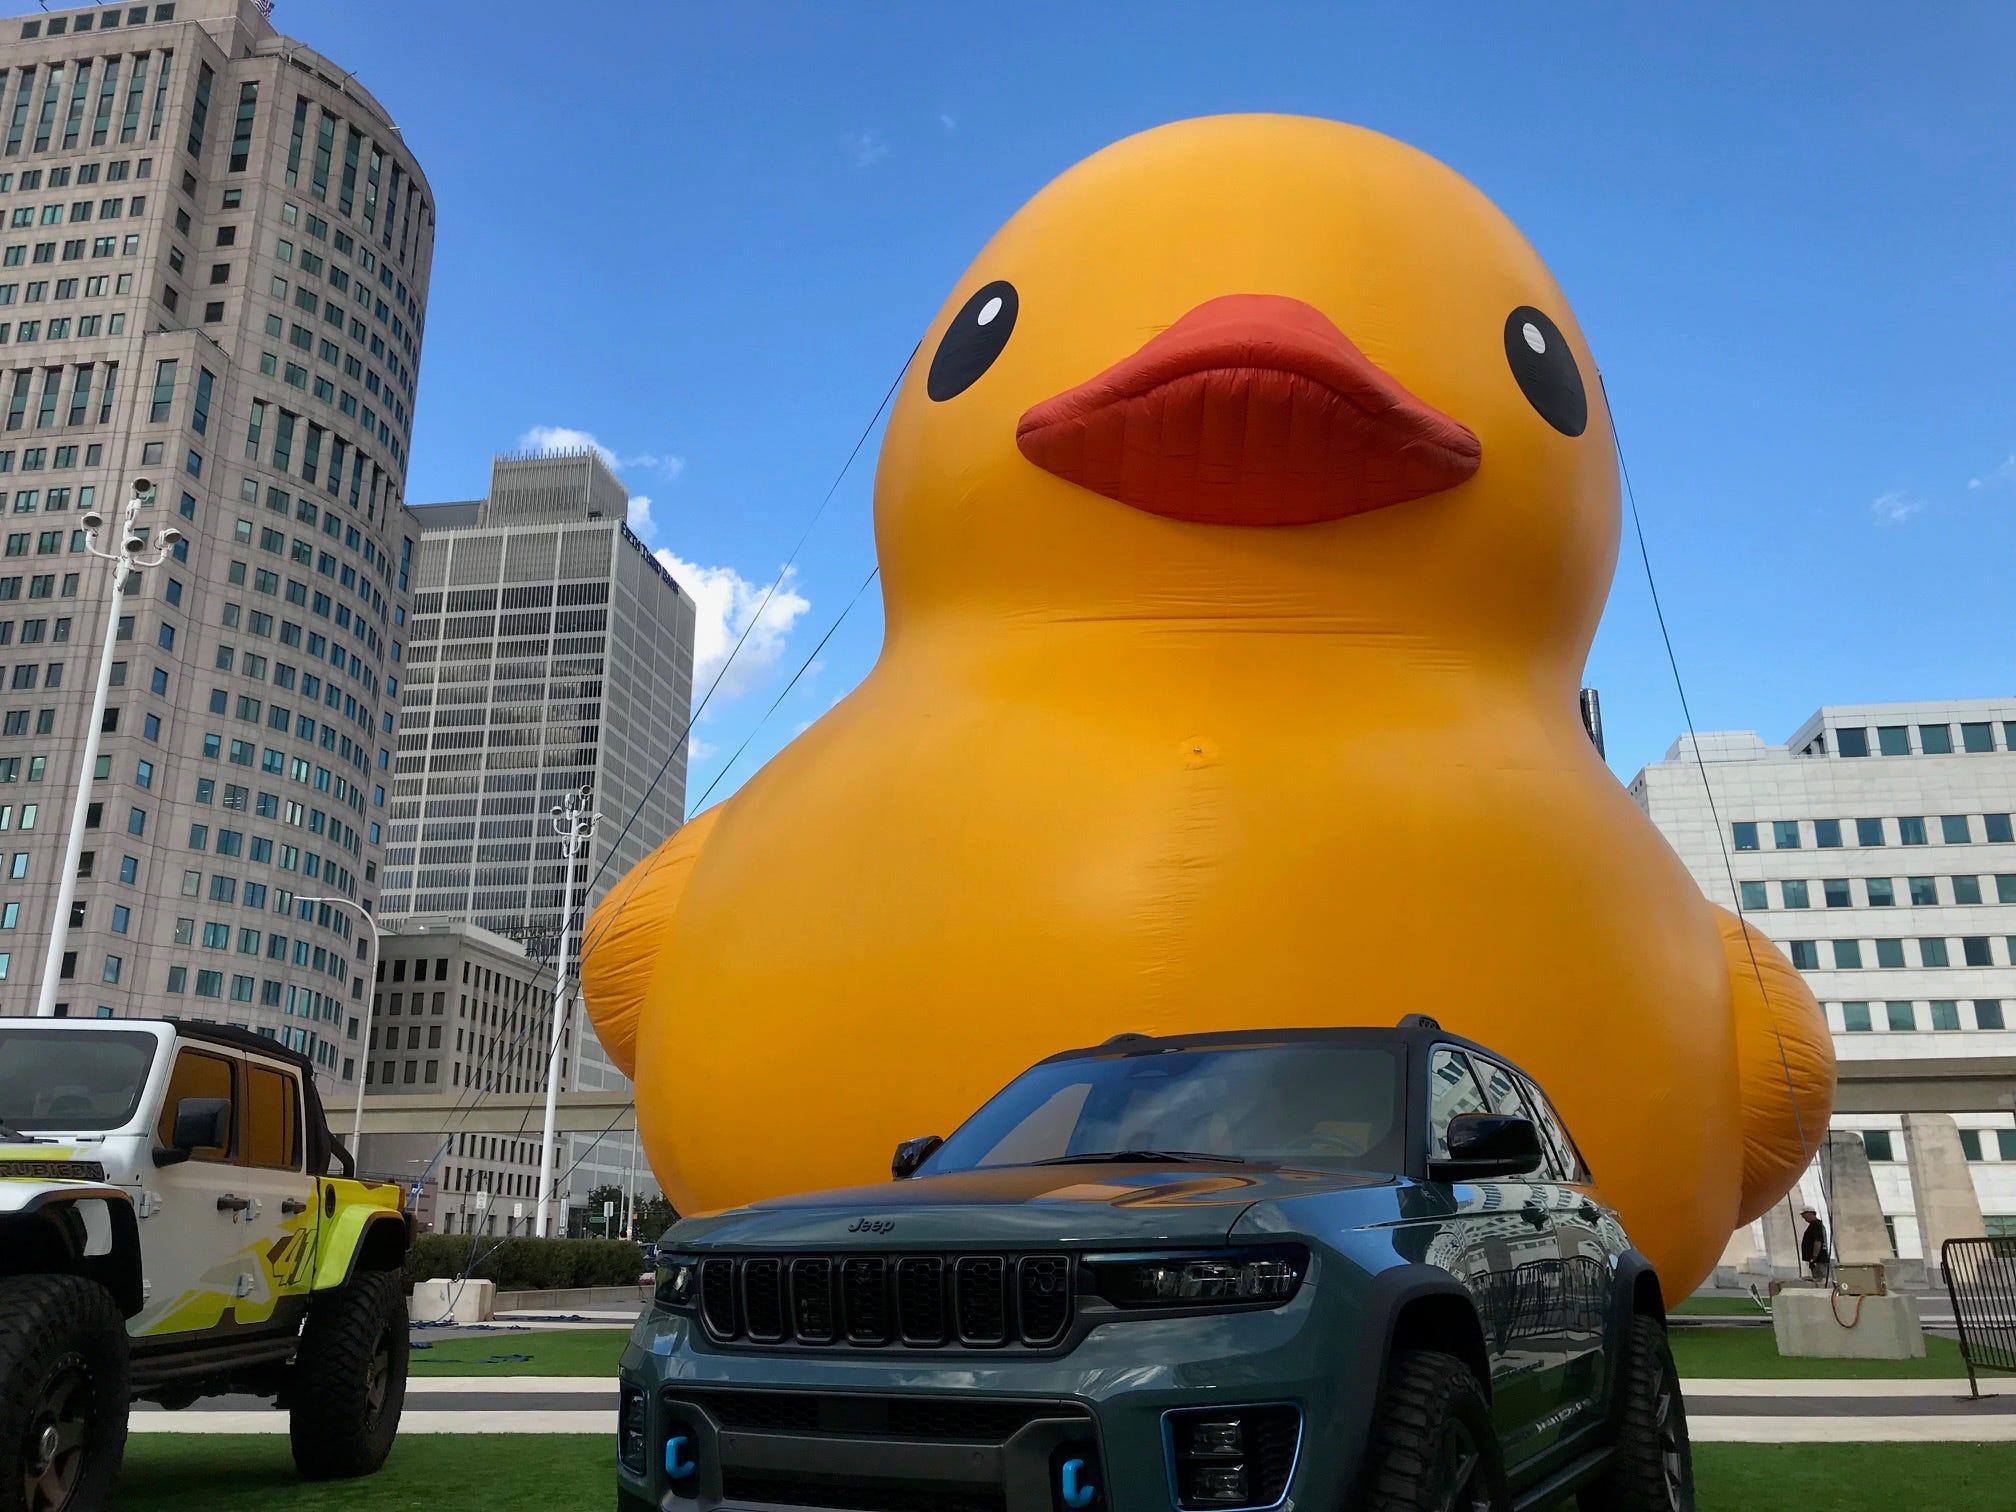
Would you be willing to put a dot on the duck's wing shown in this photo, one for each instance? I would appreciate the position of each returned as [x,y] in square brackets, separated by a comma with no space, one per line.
[1785,1062]
[628,933]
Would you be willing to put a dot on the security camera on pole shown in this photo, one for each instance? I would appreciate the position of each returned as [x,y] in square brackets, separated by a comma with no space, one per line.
[574,822]
[132,556]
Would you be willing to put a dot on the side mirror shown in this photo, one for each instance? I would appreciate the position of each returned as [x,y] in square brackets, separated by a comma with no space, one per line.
[1482,1145]
[911,1154]
[202,1123]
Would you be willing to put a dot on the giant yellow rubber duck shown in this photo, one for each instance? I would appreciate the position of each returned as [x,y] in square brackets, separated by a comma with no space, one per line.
[1244,520]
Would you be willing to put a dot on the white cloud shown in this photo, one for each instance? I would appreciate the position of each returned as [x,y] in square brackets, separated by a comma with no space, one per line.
[640,516]
[2006,473]
[1897,506]
[947,122]
[566,438]
[727,604]
[866,148]
[698,750]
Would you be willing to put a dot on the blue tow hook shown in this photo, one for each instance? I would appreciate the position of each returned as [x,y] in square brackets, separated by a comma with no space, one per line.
[1076,1492]
[678,1466]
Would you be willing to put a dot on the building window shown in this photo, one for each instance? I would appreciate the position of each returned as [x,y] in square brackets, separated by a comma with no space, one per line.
[1894,740]
[1890,953]
[1785,834]
[1852,741]
[1901,1018]
[1924,891]
[1935,740]
[1835,891]
[1745,833]
[1945,1014]
[1868,831]
[1827,833]
[1975,738]
[1932,952]
[1855,1018]
[2005,888]
[1882,894]
[1794,893]
[1752,895]
[114,965]
[1805,954]
[1974,950]
[1966,889]
[1955,829]
[1988,1014]
[1911,830]
[1997,829]
[1847,955]
[1877,1143]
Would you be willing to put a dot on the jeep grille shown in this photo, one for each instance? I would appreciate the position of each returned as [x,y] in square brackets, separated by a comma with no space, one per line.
[909,1301]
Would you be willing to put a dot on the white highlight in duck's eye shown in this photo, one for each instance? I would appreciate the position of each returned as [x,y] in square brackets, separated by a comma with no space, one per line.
[1533,337]
[993,307]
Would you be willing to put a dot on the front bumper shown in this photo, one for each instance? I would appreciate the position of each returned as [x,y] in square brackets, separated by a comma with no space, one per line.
[922,1431]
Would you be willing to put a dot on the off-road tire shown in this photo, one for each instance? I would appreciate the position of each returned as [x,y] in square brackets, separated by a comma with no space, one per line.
[349,1381]
[63,1394]
[1652,1467]
[1433,1423]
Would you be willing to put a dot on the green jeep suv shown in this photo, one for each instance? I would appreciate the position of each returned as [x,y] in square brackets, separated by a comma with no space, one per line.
[1330,1269]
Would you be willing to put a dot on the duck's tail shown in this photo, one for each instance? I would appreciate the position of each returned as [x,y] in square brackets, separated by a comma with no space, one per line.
[1785,1062]
[627,935]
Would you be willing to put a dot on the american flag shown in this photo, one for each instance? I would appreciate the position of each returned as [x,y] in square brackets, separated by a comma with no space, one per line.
[265,8]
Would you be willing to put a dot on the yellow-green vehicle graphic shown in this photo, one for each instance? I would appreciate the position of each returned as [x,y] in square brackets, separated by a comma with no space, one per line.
[178,1221]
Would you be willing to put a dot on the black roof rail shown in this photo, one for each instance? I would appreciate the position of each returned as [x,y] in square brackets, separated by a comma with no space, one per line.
[1417,1021]
[1131,1037]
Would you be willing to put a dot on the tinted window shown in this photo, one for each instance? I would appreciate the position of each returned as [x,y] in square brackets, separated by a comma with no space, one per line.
[70,1082]
[1452,1090]
[1556,1133]
[272,1118]
[200,1074]
[1309,1104]
[1501,1091]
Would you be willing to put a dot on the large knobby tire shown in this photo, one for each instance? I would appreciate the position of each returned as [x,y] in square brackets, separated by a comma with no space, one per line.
[63,1394]
[349,1381]
[1652,1467]
[1433,1446]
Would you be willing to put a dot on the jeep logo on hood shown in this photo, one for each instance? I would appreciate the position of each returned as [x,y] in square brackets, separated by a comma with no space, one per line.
[872,1226]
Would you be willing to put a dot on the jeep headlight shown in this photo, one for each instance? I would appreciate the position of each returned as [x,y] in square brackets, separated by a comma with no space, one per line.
[1207,1278]
[678,1281]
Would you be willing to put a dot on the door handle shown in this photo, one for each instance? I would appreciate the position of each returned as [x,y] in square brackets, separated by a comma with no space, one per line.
[291,1206]
[230,1204]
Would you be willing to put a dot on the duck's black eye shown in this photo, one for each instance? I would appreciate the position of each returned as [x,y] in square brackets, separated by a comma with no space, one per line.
[1546,370]
[974,339]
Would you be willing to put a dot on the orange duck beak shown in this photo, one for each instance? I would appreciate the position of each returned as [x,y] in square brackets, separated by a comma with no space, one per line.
[1253,409]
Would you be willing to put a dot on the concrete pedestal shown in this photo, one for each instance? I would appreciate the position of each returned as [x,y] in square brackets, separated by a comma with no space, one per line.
[1856,1231]
[453,1301]
[1812,1324]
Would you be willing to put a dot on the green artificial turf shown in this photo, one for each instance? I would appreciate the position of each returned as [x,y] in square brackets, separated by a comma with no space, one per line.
[427,1473]
[1738,1353]
[573,1473]
[550,1352]
[1717,1307]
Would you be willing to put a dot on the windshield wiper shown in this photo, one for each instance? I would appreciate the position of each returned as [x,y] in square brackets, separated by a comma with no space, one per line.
[1142,1157]
[9,1132]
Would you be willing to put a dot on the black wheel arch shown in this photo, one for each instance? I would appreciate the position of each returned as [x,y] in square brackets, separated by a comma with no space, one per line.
[50,1239]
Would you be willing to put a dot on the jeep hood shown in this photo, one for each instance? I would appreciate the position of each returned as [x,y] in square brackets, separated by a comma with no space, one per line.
[1087,1206]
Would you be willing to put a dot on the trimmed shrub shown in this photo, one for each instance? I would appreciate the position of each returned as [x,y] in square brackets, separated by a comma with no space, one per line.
[526,1264]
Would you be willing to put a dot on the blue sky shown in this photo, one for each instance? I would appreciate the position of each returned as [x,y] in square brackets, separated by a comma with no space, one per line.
[708,236]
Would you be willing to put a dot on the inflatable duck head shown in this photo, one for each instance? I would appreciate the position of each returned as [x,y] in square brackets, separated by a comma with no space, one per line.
[1258,366]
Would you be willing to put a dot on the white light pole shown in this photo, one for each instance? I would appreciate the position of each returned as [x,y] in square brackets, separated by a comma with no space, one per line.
[574,822]
[127,560]
[370,999]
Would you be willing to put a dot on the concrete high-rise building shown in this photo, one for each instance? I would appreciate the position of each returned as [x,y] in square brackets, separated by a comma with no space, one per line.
[548,651]
[1875,848]
[214,254]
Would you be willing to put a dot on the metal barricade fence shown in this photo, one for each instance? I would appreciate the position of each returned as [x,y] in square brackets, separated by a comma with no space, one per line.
[1981,1281]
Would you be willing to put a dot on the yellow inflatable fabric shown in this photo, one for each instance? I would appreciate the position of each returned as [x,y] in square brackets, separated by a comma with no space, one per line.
[1245,520]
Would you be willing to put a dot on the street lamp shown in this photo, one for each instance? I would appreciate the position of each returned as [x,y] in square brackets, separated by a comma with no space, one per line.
[574,822]
[131,557]
[370,1000]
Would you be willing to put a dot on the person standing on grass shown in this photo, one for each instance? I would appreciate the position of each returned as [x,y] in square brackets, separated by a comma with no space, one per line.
[1813,1247]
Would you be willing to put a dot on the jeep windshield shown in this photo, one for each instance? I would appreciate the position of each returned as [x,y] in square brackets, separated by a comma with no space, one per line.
[1322,1105]
[71,1081]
